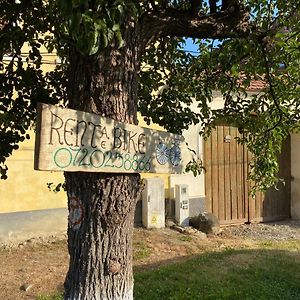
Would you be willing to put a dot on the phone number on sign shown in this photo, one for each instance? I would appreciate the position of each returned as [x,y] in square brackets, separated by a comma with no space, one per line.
[96,158]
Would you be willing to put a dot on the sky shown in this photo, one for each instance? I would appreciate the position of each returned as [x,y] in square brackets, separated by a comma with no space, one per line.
[190,46]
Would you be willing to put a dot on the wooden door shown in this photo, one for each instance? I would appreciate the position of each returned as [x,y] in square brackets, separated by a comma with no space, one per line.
[226,183]
[224,178]
[275,204]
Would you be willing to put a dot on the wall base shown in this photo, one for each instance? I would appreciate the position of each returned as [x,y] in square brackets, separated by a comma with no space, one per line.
[21,226]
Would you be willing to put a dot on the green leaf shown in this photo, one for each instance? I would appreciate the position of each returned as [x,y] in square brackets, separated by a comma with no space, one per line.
[96,44]
[119,39]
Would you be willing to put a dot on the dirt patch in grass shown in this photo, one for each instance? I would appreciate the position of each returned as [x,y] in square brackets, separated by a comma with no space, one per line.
[43,265]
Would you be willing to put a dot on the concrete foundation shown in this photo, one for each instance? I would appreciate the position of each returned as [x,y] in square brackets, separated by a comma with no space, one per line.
[21,226]
[17,227]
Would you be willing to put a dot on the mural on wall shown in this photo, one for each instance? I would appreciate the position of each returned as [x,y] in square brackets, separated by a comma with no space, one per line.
[165,154]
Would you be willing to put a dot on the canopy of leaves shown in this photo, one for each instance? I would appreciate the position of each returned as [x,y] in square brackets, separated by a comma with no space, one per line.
[171,78]
[265,118]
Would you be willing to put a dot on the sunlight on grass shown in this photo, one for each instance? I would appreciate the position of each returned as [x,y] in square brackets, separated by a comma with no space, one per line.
[231,274]
[185,238]
[290,245]
[270,271]
[140,251]
[48,297]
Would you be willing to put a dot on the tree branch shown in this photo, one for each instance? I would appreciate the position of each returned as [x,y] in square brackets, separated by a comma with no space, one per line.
[213,6]
[172,22]
[195,6]
[271,88]
[279,23]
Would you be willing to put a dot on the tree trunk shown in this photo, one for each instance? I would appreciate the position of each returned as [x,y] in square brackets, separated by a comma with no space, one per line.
[99,235]
[101,205]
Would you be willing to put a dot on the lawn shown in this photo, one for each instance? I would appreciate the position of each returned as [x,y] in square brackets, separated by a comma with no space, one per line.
[269,272]
[231,274]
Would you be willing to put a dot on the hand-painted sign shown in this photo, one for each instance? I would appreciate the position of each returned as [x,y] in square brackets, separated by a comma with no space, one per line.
[71,140]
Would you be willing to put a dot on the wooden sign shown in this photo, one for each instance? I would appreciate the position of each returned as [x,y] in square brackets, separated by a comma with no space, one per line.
[71,140]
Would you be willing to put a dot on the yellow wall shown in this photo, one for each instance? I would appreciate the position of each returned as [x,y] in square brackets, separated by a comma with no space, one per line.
[165,177]
[26,189]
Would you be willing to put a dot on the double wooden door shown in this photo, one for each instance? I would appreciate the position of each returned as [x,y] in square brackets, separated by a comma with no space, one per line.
[227,187]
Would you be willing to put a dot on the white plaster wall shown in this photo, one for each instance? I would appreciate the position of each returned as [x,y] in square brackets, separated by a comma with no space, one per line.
[295,173]
[218,101]
[195,142]
[195,184]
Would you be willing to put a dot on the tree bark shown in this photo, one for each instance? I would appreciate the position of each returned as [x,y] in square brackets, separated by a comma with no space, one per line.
[101,205]
[99,235]
[232,23]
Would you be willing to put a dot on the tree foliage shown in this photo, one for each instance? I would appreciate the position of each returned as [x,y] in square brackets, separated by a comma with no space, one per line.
[264,46]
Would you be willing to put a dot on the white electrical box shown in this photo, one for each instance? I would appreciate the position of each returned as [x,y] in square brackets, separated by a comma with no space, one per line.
[153,203]
[182,204]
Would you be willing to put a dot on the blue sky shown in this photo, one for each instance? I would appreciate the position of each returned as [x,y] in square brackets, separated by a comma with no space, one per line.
[190,46]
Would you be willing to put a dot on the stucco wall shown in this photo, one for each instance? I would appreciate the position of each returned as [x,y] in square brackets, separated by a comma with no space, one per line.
[165,177]
[26,189]
[21,226]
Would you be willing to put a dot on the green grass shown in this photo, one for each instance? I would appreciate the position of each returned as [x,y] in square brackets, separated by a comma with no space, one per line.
[140,251]
[231,274]
[48,297]
[185,238]
[269,273]
[291,245]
